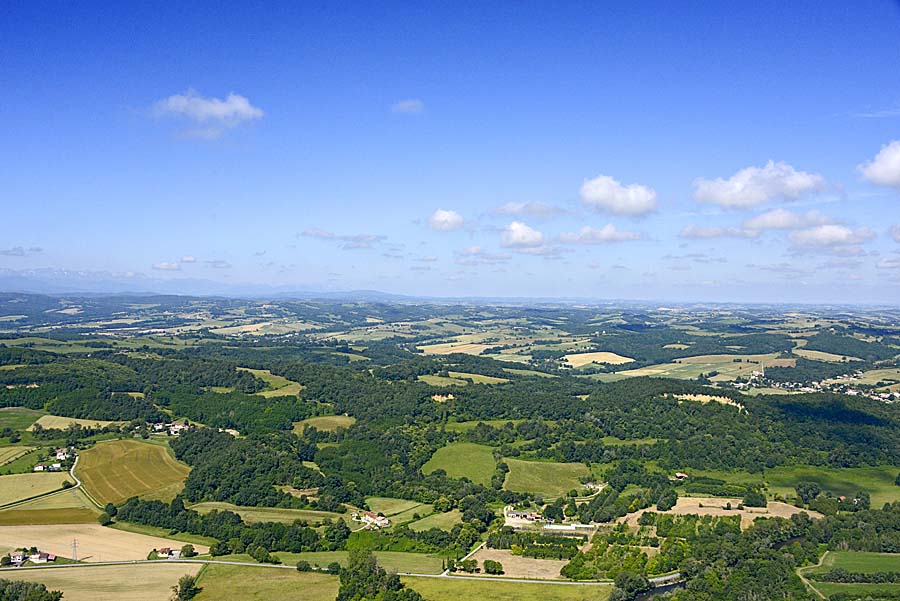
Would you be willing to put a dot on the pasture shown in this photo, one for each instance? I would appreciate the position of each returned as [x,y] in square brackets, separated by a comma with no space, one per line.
[18,487]
[581,359]
[854,561]
[141,582]
[70,506]
[434,380]
[390,506]
[95,542]
[9,454]
[444,589]
[61,423]
[463,459]
[275,385]
[243,583]
[466,426]
[441,521]
[397,561]
[269,514]
[545,478]
[117,470]
[18,418]
[477,378]
[325,423]
[877,481]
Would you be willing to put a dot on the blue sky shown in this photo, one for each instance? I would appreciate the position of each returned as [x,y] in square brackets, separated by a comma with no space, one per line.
[740,151]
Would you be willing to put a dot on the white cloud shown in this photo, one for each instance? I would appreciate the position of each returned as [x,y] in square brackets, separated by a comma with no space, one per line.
[475,255]
[782,219]
[218,264]
[895,233]
[604,193]
[699,232]
[351,241]
[888,263]
[884,169]
[188,259]
[410,106]
[167,266]
[520,235]
[534,209]
[589,235]
[754,186]
[215,114]
[824,236]
[444,220]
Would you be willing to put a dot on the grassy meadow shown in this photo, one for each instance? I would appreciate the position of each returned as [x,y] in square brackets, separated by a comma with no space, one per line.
[243,583]
[463,459]
[451,589]
[269,514]
[545,478]
[325,423]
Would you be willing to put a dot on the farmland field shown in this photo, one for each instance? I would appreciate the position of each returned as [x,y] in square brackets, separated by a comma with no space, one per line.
[446,589]
[95,542]
[877,481]
[8,454]
[326,423]
[275,385]
[18,418]
[61,423]
[582,359]
[17,487]
[70,506]
[823,356]
[716,506]
[433,380]
[398,561]
[477,378]
[116,470]
[442,521]
[269,514]
[243,583]
[391,507]
[689,368]
[543,477]
[855,561]
[466,426]
[142,582]
[463,459]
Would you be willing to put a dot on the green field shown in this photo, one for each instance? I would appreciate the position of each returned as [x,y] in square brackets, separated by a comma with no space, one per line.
[184,537]
[18,487]
[10,454]
[391,507]
[477,378]
[442,521]
[877,481]
[116,470]
[466,426]
[450,589]
[18,418]
[528,372]
[463,459]
[325,423]
[612,441]
[269,514]
[70,506]
[240,583]
[543,477]
[855,561]
[432,380]
[397,561]
[275,385]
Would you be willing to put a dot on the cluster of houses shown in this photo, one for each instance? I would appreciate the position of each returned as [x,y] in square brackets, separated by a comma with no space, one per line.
[173,429]
[60,455]
[20,557]
[373,521]
[530,516]
[168,553]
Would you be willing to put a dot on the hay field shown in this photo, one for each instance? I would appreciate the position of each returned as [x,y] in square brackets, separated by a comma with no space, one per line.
[688,368]
[441,521]
[877,481]
[275,385]
[70,506]
[390,506]
[823,356]
[269,514]
[477,378]
[446,348]
[582,359]
[434,380]
[8,454]
[95,543]
[142,582]
[517,566]
[61,423]
[18,418]
[326,423]
[716,506]
[455,589]
[545,478]
[17,487]
[117,470]
[463,459]
[243,583]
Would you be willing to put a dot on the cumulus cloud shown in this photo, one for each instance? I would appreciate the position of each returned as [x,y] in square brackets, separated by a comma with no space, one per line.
[699,232]
[590,235]
[782,219]
[754,186]
[895,233]
[604,193]
[410,106]
[519,235]
[533,209]
[20,251]
[830,236]
[444,220]
[215,115]
[167,266]
[350,241]
[884,169]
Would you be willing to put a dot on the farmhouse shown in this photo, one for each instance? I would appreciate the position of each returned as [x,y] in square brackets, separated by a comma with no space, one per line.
[168,553]
[372,520]
[62,454]
[681,476]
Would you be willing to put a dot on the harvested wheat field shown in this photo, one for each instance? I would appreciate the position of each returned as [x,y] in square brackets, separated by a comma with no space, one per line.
[716,506]
[142,582]
[516,566]
[95,542]
[18,487]
[120,469]
[708,398]
[61,423]
[581,359]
